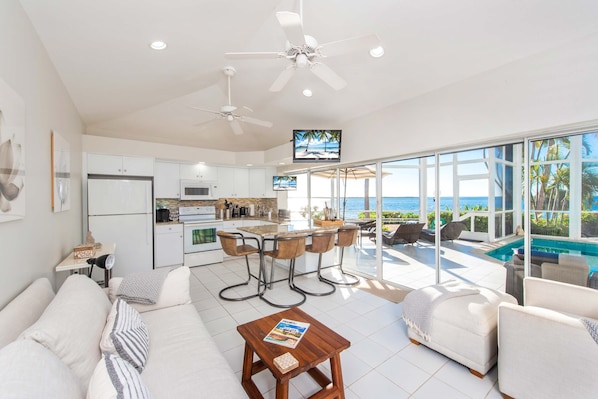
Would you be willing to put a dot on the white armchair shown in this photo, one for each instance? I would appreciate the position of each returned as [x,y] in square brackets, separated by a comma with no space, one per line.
[544,350]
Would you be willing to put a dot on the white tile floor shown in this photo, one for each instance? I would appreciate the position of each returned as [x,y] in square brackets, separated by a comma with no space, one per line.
[381,362]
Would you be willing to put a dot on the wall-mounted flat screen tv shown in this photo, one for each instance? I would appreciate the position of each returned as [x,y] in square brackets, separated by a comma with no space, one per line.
[317,145]
[284,183]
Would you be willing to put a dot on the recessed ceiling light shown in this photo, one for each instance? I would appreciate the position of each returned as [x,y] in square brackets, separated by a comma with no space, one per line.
[307,93]
[158,45]
[281,163]
[249,164]
[377,52]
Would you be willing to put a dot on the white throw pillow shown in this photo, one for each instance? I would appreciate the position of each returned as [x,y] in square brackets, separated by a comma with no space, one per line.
[115,378]
[24,310]
[126,335]
[72,325]
[29,370]
[175,290]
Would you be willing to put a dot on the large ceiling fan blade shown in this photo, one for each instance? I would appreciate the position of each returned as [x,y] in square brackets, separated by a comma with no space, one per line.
[339,47]
[292,26]
[283,79]
[255,121]
[328,75]
[255,55]
[206,110]
[236,126]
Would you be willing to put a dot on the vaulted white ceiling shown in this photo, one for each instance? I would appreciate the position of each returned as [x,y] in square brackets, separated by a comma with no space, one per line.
[124,89]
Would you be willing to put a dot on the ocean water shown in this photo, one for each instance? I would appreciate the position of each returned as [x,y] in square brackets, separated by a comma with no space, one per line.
[404,204]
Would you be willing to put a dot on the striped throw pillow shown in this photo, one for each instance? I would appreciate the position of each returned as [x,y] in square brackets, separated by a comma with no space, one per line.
[126,335]
[114,377]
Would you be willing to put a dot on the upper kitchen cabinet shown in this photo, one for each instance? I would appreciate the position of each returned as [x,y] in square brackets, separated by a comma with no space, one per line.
[198,172]
[261,183]
[233,182]
[102,164]
[166,180]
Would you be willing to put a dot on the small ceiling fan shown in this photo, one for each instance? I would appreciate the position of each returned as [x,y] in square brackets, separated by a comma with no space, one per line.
[304,51]
[228,111]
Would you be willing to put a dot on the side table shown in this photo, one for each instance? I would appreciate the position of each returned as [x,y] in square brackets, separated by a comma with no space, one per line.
[319,344]
[80,265]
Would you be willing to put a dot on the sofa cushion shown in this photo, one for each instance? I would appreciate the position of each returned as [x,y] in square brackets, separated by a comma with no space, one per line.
[30,370]
[72,325]
[126,335]
[175,290]
[24,310]
[115,378]
[183,353]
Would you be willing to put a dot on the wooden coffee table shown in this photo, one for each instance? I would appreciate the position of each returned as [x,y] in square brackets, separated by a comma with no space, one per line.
[319,344]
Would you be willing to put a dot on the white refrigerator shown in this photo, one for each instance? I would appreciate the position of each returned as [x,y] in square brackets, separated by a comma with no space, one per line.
[120,211]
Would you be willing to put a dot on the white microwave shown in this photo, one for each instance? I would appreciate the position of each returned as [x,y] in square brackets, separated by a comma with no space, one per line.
[197,190]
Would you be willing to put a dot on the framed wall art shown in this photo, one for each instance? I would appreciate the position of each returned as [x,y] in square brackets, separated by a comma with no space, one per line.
[12,154]
[61,174]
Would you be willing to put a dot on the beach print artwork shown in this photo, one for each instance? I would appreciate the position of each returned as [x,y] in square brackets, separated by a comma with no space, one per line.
[12,155]
[61,174]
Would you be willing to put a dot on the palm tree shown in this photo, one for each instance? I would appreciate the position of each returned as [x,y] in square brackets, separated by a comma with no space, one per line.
[309,135]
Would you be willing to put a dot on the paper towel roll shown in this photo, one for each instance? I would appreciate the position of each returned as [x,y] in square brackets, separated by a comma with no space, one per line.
[251,210]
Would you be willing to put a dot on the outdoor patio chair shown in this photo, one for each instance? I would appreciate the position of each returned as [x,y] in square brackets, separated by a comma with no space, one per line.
[448,232]
[367,229]
[406,234]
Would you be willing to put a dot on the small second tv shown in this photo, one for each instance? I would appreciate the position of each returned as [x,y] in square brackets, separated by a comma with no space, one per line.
[317,145]
[284,183]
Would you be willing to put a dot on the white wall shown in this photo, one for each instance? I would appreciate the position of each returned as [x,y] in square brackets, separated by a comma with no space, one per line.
[558,87]
[33,246]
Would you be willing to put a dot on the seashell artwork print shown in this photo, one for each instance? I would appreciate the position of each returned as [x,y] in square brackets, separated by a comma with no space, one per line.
[12,155]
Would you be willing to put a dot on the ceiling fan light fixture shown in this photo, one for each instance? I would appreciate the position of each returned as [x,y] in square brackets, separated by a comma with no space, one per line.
[307,92]
[230,118]
[377,52]
[301,60]
[158,45]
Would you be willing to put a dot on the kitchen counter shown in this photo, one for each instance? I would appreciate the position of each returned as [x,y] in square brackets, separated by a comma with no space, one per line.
[261,218]
[275,229]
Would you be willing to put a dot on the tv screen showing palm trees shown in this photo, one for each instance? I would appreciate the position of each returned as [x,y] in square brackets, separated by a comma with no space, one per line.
[284,183]
[317,145]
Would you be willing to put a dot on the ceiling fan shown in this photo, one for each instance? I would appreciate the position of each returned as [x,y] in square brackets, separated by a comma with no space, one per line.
[304,51]
[228,111]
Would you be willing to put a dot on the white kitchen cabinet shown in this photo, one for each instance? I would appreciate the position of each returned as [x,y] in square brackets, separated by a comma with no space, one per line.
[168,245]
[233,182]
[166,180]
[198,172]
[103,164]
[261,183]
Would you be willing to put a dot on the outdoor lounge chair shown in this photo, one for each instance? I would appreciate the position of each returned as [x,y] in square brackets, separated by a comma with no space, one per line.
[405,234]
[450,231]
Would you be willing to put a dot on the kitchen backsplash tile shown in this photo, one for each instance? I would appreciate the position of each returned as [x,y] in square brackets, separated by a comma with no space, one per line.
[173,204]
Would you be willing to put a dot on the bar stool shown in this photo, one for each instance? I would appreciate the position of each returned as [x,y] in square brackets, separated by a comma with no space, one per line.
[321,242]
[347,236]
[286,247]
[229,242]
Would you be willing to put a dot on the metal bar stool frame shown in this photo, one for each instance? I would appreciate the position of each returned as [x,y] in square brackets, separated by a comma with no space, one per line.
[286,247]
[321,242]
[347,236]
[232,249]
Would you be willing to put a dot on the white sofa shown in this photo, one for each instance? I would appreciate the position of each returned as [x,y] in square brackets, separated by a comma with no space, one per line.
[50,345]
[544,350]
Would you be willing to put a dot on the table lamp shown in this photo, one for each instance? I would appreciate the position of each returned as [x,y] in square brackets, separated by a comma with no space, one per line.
[105,262]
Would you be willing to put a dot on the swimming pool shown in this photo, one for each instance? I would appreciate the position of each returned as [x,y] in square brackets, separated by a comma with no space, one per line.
[587,249]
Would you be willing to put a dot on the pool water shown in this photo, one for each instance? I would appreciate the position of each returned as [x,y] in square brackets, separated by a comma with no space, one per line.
[587,249]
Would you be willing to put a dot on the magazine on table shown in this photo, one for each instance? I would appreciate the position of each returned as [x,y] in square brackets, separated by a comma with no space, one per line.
[287,333]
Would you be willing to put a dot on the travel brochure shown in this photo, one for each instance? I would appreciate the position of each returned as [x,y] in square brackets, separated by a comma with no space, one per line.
[287,333]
